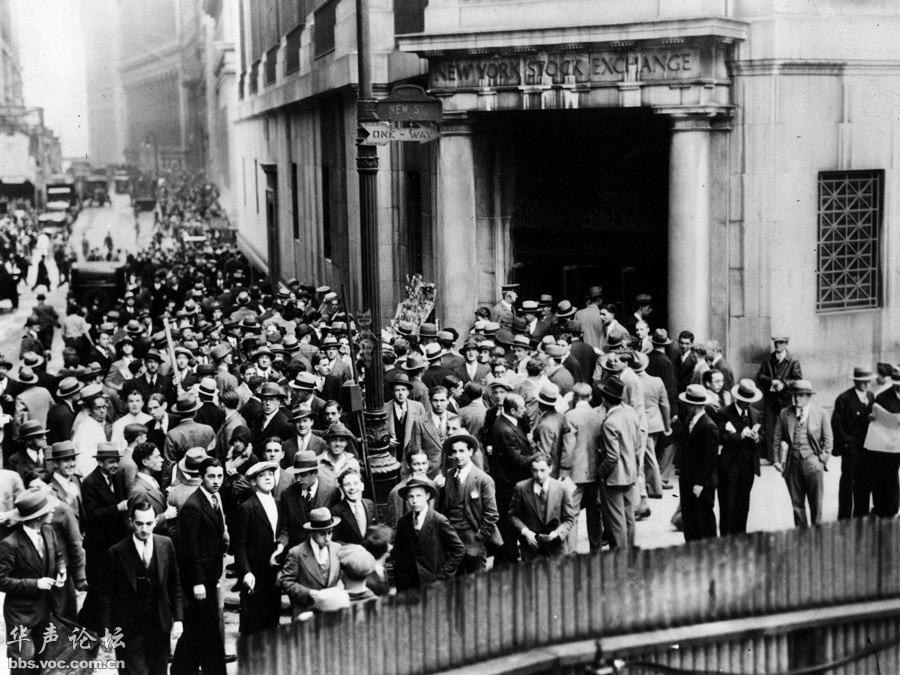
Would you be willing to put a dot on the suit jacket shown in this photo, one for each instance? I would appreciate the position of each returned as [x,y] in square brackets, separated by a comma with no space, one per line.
[155,433]
[279,426]
[699,451]
[302,574]
[620,442]
[559,517]
[119,595]
[586,424]
[211,415]
[295,512]
[684,371]
[435,374]
[432,554]
[452,361]
[37,400]
[561,377]
[613,330]
[591,325]
[59,423]
[253,542]
[511,459]
[347,531]
[316,444]
[656,403]
[481,372]
[472,416]
[181,438]
[553,436]
[850,422]
[788,371]
[162,385]
[428,438]
[331,388]
[735,448]
[659,365]
[140,490]
[818,432]
[478,499]
[74,502]
[22,464]
[20,568]
[203,540]
[414,412]
[104,525]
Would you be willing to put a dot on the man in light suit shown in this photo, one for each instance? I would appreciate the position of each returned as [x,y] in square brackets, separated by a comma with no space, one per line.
[188,434]
[469,503]
[849,425]
[32,566]
[11,486]
[403,415]
[542,512]
[142,595]
[63,480]
[586,424]
[699,477]
[804,441]
[552,434]
[145,487]
[431,431]
[426,547]
[312,565]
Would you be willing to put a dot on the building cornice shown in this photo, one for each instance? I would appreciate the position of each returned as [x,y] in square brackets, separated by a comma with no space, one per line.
[623,35]
[769,67]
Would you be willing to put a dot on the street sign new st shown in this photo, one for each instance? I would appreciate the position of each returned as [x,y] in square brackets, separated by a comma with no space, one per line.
[410,103]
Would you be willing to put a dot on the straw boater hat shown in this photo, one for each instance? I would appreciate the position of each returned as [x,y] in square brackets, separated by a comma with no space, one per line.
[68,386]
[304,380]
[548,394]
[433,351]
[695,394]
[321,520]
[746,391]
[32,503]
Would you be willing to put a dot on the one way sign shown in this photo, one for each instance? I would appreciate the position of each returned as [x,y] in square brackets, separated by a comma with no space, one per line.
[381,133]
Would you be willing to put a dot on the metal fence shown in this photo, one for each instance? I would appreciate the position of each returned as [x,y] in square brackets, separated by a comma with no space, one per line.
[587,597]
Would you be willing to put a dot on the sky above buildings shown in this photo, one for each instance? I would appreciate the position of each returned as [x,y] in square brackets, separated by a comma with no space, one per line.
[53,74]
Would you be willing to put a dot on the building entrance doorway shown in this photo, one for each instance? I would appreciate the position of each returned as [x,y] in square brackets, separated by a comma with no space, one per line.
[590,204]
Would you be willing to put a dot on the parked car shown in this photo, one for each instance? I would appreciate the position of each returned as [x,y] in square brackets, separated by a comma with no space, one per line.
[102,282]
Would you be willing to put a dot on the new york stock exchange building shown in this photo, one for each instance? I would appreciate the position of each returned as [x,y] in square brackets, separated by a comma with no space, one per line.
[738,160]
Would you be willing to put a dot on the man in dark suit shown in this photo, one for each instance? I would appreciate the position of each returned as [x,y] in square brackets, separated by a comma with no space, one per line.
[271,421]
[472,370]
[328,386]
[104,524]
[582,357]
[142,595]
[151,381]
[775,377]
[162,421]
[311,490]
[849,425]
[303,438]
[426,547]
[256,551]
[32,565]
[542,512]
[210,413]
[61,416]
[29,462]
[509,463]
[469,501]
[356,514]
[435,372]
[313,564]
[698,478]
[715,359]
[738,463]
[102,352]
[204,541]
[660,365]
[145,487]
[686,362]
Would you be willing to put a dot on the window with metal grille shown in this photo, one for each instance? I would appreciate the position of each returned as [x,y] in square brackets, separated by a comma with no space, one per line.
[292,51]
[271,63]
[850,215]
[324,29]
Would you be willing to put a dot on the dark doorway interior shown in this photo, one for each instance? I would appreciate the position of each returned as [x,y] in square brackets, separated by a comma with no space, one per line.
[590,203]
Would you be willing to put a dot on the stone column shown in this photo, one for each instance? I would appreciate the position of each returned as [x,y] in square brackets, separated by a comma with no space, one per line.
[454,227]
[689,226]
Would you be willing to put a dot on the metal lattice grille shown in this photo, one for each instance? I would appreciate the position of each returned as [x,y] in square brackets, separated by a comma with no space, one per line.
[850,213]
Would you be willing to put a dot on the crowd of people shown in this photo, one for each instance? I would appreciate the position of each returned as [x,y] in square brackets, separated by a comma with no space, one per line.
[203,415]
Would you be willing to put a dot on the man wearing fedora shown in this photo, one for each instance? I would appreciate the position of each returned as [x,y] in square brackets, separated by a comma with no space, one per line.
[586,423]
[849,425]
[339,369]
[61,416]
[311,489]
[32,568]
[188,433]
[33,401]
[414,365]
[426,547]
[29,462]
[469,502]
[431,430]
[698,477]
[271,421]
[64,481]
[257,551]
[303,437]
[643,303]
[403,416]
[203,540]
[151,381]
[472,370]
[312,565]
[552,434]
[803,438]
[436,371]
[620,440]
[555,371]
[142,594]
[878,471]
[775,376]
[303,394]
[740,424]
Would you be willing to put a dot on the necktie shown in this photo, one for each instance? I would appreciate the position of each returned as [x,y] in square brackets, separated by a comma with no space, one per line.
[39,545]
[799,414]
[145,556]
[458,483]
[360,517]
[307,497]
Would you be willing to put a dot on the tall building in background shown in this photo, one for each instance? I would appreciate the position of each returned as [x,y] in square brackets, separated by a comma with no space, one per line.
[106,119]
[10,63]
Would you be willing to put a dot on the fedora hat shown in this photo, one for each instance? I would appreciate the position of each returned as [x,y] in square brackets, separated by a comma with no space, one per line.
[564,310]
[545,300]
[612,363]
[91,391]
[504,337]
[338,430]
[304,462]
[68,386]
[414,362]
[33,503]
[595,292]
[329,341]
[401,380]
[250,323]
[27,376]
[262,351]
[801,387]
[320,519]
[220,351]
[519,325]
[192,460]
[695,394]
[183,350]
[509,287]
[433,351]
[107,451]
[270,390]
[418,480]
[746,391]
[574,326]
[32,359]
[186,404]
[259,467]
[643,299]
[32,429]
[863,373]
[304,380]
[428,330]
[549,394]
[153,355]
[781,338]
[61,450]
[300,413]
[613,387]
[470,440]
[660,338]
[640,362]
